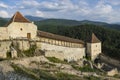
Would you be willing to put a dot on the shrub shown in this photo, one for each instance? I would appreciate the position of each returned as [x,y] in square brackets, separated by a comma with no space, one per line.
[84,69]
[92,78]
[44,75]
[30,52]
[117,76]
[66,76]
[24,71]
[55,60]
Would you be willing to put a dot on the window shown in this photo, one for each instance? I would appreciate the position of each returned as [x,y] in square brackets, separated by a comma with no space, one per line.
[21,29]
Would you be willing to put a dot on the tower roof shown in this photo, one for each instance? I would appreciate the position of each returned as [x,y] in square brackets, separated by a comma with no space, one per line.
[94,39]
[18,17]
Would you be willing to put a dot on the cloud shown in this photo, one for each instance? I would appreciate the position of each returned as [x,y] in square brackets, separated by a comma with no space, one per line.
[101,10]
[49,6]
[39,14]
[27,4]
[82,9]
[31,3]
[114,2]
[3,14]
[2,5]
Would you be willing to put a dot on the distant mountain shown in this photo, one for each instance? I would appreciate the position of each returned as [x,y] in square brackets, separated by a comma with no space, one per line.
[43,22]
[3,21]
[117,23]
[65,22]
[33,18]
[58,22]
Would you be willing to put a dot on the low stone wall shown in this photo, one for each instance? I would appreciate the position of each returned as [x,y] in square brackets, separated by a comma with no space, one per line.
[4,48]
[63,52]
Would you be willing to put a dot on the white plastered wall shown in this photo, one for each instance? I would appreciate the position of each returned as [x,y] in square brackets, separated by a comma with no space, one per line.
[94,49]
[19,29]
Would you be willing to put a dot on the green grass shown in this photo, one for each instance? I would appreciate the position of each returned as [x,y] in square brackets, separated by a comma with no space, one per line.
[117,76]
[56,60]
[92,78]
[30,52]
[25,71]
[66,76]
[44,75]
[84,69]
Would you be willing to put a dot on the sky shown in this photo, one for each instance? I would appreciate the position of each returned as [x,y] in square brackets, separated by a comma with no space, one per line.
[95,10]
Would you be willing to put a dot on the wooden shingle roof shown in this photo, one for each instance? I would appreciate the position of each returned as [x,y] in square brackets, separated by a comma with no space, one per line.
[58,37]
[18,17]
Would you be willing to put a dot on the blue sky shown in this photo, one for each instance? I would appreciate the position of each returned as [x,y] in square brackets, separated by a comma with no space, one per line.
[95,10]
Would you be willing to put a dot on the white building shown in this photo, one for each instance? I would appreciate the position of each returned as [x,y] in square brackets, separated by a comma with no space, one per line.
[18,27]
[93,47]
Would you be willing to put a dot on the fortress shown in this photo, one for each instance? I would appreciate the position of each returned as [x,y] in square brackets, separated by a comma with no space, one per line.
[23,33]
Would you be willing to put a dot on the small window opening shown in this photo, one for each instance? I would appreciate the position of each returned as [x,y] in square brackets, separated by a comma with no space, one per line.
[21,29]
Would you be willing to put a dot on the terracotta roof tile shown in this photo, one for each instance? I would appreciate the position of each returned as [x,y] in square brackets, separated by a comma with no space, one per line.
[18,17]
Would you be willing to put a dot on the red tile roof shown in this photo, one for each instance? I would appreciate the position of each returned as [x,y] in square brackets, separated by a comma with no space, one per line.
[18,17]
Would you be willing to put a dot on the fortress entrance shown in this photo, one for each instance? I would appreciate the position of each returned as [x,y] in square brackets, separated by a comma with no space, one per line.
[29,35]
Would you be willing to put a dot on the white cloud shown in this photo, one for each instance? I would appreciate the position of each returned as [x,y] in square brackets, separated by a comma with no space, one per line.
[103,8]
[49,6]
[3,14]
[27,4]
[2,5]
[31,3]
[39,14]
[114,2]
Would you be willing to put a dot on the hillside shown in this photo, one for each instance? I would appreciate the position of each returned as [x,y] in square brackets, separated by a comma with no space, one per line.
[2,21]
[65,22]
[33,18]
[49,68]
[44,22]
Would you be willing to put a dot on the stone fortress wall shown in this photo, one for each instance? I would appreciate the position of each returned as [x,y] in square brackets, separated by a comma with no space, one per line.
[63,50]
[4,33]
